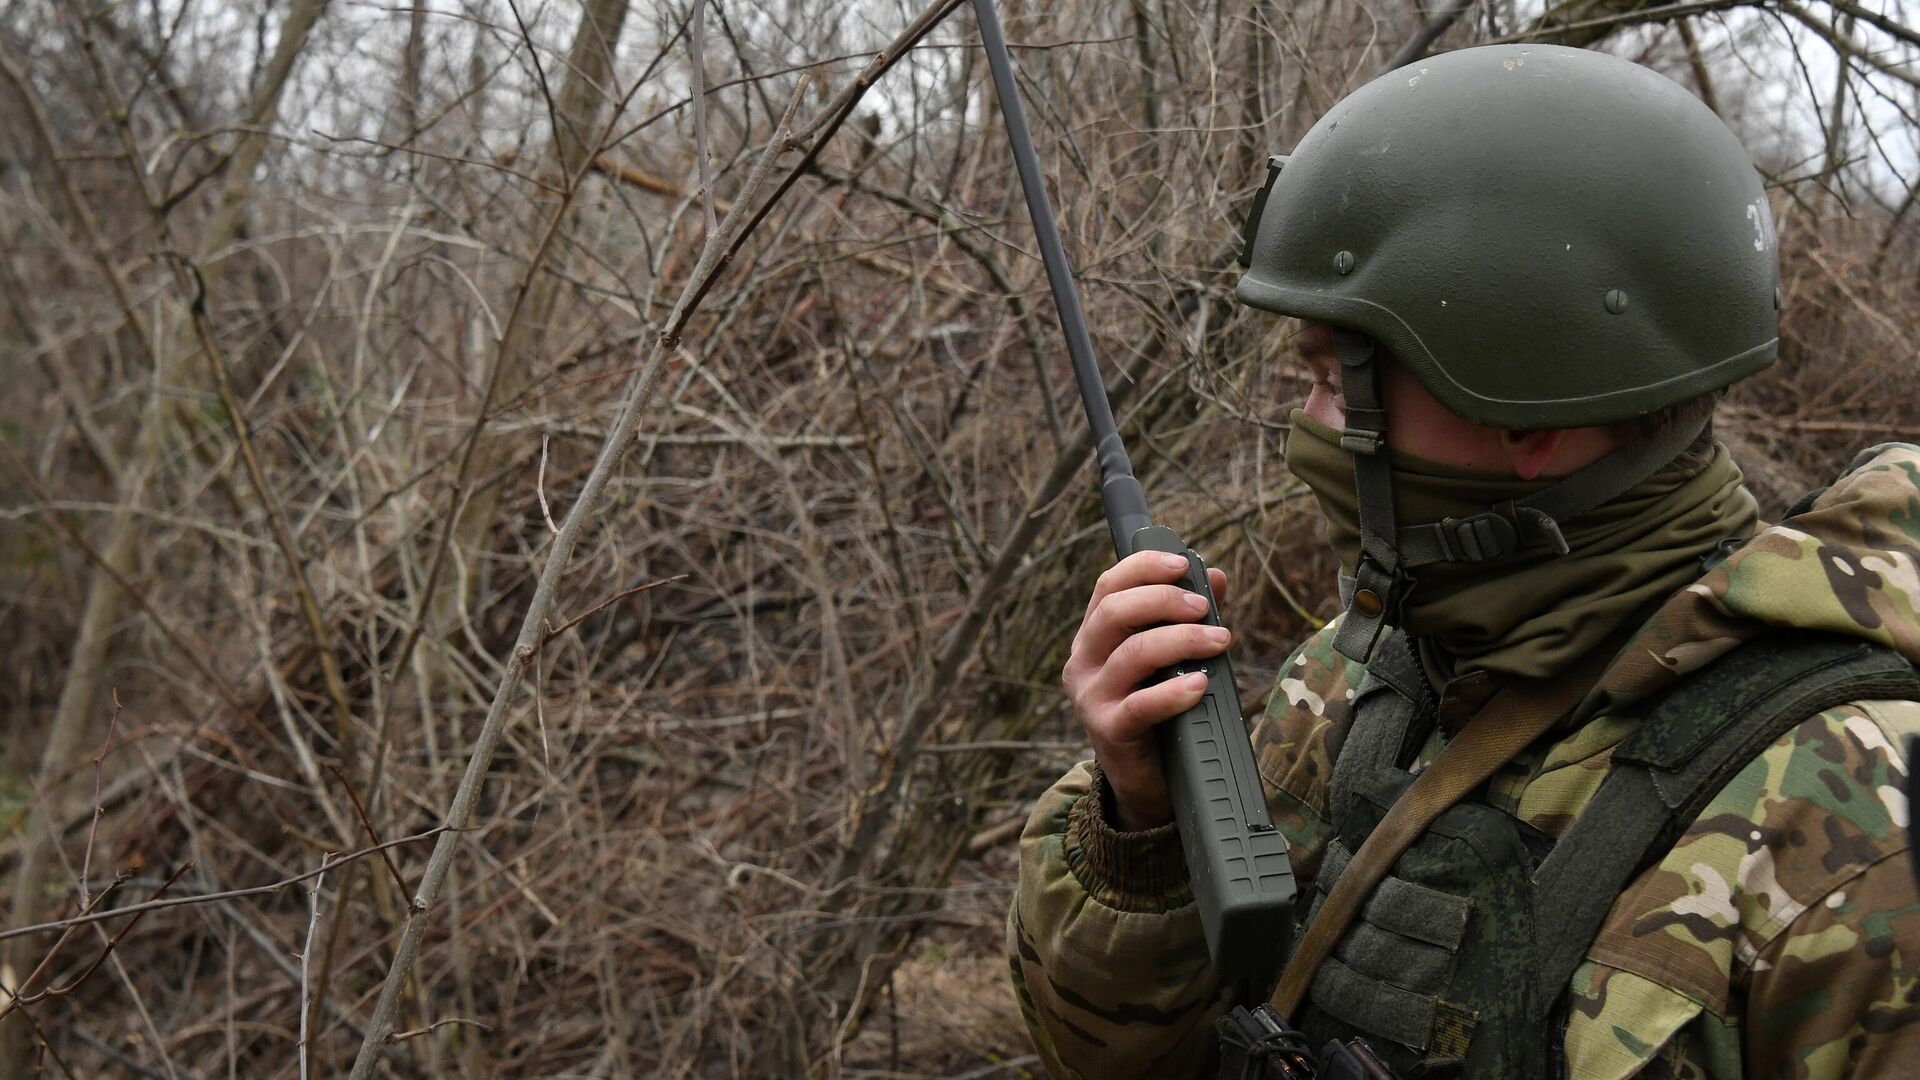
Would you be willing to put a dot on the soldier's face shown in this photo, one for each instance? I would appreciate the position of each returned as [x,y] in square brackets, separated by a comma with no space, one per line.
[1416,422]
[1419,425]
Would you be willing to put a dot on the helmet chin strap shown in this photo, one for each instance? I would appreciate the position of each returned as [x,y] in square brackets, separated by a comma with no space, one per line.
[1378,586]
[1379,582]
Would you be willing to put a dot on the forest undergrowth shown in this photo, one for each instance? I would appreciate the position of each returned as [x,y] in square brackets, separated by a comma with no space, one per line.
[627,448]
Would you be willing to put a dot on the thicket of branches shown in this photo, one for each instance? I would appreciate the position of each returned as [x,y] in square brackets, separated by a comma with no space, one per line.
[653,415]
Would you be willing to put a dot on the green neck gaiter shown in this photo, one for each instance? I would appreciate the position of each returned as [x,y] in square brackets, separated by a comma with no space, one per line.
[1532,614]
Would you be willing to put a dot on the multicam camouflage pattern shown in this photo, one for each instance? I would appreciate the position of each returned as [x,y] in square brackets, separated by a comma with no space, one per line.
[1112,977]
[1779,937]
[1789,906]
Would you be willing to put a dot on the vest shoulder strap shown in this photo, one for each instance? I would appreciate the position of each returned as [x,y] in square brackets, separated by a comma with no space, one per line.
[1690,742]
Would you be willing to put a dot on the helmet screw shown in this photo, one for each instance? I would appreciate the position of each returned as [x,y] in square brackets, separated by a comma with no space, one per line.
[1367,602]
[1616,301]
[1343,262]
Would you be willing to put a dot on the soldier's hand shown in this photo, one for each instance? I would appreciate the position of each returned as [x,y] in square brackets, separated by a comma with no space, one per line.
[1120,645]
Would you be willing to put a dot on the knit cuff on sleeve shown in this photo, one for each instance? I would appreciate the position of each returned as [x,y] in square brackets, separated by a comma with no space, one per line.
[1130,871]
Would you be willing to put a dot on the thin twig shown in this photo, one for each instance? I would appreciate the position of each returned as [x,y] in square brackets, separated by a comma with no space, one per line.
[17,996]
[829,122]
[360,809]
[403,1036]
[540,488]
[136,913]
[1844,45]
[607,603]
[306,955]
[702,152]
[230,894]
[93,826]
[1663,13]
[1884,24]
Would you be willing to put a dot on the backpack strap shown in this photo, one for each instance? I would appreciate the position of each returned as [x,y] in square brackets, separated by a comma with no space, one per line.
[1690,742]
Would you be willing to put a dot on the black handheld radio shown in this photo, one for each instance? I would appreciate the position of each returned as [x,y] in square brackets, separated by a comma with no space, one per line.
[1242,880]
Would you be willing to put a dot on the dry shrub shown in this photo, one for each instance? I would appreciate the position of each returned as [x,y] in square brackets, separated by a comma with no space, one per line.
[844,448]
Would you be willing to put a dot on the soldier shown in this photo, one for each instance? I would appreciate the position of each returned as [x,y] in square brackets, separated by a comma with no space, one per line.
[1527,274]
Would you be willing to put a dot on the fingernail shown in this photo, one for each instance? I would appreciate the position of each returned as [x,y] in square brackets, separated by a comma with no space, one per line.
[1194,682]
[1217,634]
[1196,601]
[1173,562]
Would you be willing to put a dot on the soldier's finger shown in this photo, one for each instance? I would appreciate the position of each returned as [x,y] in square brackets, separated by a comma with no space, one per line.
[1143,654]
[1127,612]
[1139,712]
[1217,579]
[1139,568]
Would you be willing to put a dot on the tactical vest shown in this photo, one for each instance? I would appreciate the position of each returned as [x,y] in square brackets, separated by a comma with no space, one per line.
[1459,961]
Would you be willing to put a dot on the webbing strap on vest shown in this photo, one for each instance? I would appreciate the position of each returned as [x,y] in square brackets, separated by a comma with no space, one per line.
[1688,746]
[1515,716]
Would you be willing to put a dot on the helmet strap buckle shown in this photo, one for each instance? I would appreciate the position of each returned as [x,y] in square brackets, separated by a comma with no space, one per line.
[1478,538]
[1536,527]
[1362,441]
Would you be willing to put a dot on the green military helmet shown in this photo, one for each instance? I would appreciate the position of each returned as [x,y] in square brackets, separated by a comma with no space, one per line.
[1546,236]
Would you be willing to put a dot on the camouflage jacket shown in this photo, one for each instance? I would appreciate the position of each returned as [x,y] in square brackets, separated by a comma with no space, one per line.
[1779,937]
